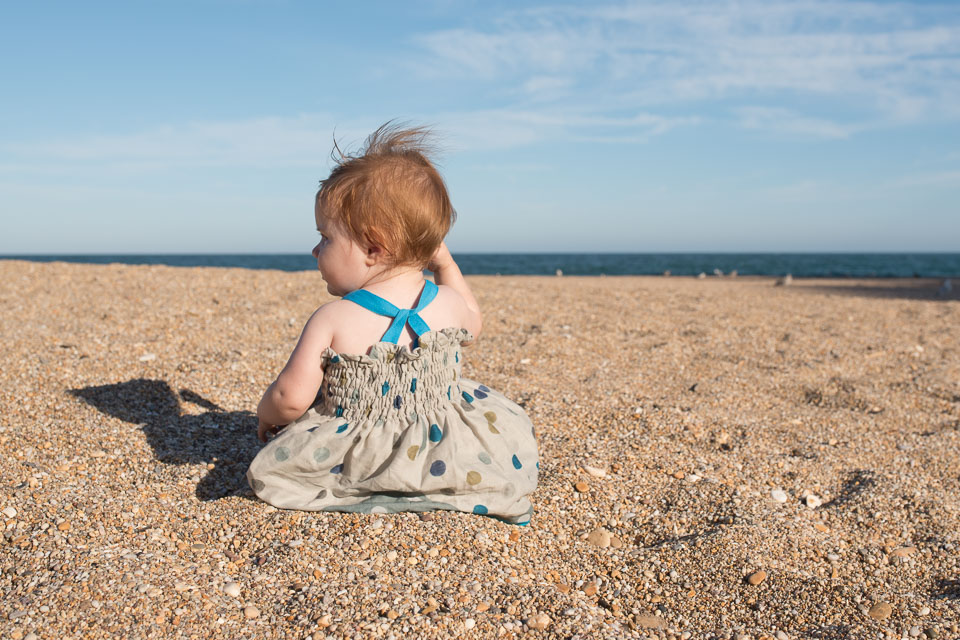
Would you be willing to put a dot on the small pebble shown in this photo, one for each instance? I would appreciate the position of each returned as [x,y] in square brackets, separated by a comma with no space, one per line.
[596,472]
[539,621]
[581,487]
[10,512]
[232,589]
[251,612]
[813,501]
[880,611]
[778,495]
[925,611]
[757,577]
[469,623]
[600,537]
[647,621]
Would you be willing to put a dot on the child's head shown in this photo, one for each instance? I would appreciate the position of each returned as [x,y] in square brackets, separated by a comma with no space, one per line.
[389,196]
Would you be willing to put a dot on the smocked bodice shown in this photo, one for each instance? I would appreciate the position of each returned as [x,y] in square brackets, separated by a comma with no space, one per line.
[394,380]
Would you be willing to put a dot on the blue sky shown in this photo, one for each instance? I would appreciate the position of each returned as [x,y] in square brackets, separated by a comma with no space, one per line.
[204,126]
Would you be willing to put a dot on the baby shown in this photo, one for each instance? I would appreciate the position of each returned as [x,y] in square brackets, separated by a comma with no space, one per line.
[377,417]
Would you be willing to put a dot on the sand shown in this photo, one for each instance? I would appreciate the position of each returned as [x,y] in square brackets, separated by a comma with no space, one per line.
[720,458]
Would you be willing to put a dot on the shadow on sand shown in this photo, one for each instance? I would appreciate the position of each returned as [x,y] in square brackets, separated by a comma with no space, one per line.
[901,288]
[228,439]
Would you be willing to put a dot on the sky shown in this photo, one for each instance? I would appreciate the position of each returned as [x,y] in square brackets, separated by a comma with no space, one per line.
[205,126]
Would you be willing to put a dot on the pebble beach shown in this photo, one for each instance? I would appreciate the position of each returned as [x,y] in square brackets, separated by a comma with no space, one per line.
[720,458]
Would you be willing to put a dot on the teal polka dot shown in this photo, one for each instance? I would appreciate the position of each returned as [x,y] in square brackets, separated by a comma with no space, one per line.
[321,454]
[516,463]
[335,359]
[281,453]
[343,427]
[435,434]
[466,396]
[413,386]
[384,388]
[480,510]
[484,457]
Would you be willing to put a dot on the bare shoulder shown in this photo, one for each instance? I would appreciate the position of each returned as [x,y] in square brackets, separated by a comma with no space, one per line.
[459,311]
[452,305]
[449,297]
[335,309]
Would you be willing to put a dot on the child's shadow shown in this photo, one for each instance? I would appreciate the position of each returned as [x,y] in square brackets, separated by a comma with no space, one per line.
[228,440]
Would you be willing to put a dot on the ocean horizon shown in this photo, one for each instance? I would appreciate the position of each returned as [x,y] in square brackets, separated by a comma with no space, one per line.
[801,265]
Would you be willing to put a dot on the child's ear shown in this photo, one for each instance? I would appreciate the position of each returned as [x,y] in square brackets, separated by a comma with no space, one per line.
[375,252]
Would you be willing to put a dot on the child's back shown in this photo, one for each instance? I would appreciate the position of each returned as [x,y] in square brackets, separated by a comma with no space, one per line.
[355,329]
[399,429]
[372,413]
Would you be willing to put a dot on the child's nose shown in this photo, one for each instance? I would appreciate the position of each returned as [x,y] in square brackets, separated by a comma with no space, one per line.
[315,251]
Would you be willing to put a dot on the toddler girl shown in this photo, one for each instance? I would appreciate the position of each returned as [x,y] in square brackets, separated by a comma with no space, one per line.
[378,418]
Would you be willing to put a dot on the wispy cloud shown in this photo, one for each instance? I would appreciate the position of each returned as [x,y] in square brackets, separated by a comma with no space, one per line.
[298,140]
[889,63]
[790,122]
[950,179]
[305,140]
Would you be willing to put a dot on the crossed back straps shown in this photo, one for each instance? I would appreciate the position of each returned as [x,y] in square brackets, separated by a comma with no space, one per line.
[401,317]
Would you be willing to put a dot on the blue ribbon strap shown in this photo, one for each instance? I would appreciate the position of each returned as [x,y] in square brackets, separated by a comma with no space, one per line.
[401,317]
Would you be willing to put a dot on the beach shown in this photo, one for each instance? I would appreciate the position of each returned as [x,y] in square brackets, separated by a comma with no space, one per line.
[720,457]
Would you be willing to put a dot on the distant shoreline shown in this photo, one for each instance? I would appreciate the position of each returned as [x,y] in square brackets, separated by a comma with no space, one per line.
[799,265]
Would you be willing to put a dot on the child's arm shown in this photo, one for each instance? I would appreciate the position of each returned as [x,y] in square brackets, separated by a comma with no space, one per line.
[446,272]
[295,389]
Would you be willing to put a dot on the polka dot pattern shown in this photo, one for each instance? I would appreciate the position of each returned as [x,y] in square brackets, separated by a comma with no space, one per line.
[396,398]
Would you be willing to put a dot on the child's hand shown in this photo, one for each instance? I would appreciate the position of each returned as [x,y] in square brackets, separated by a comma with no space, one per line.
[265,427]
[441,258]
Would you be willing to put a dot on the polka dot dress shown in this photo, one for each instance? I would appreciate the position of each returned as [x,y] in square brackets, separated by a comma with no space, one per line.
[400,430]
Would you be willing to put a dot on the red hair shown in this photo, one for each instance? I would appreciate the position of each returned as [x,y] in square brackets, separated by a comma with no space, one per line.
[390,195]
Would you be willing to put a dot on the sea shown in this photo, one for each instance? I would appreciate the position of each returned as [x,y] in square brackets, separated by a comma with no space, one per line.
[801,265]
